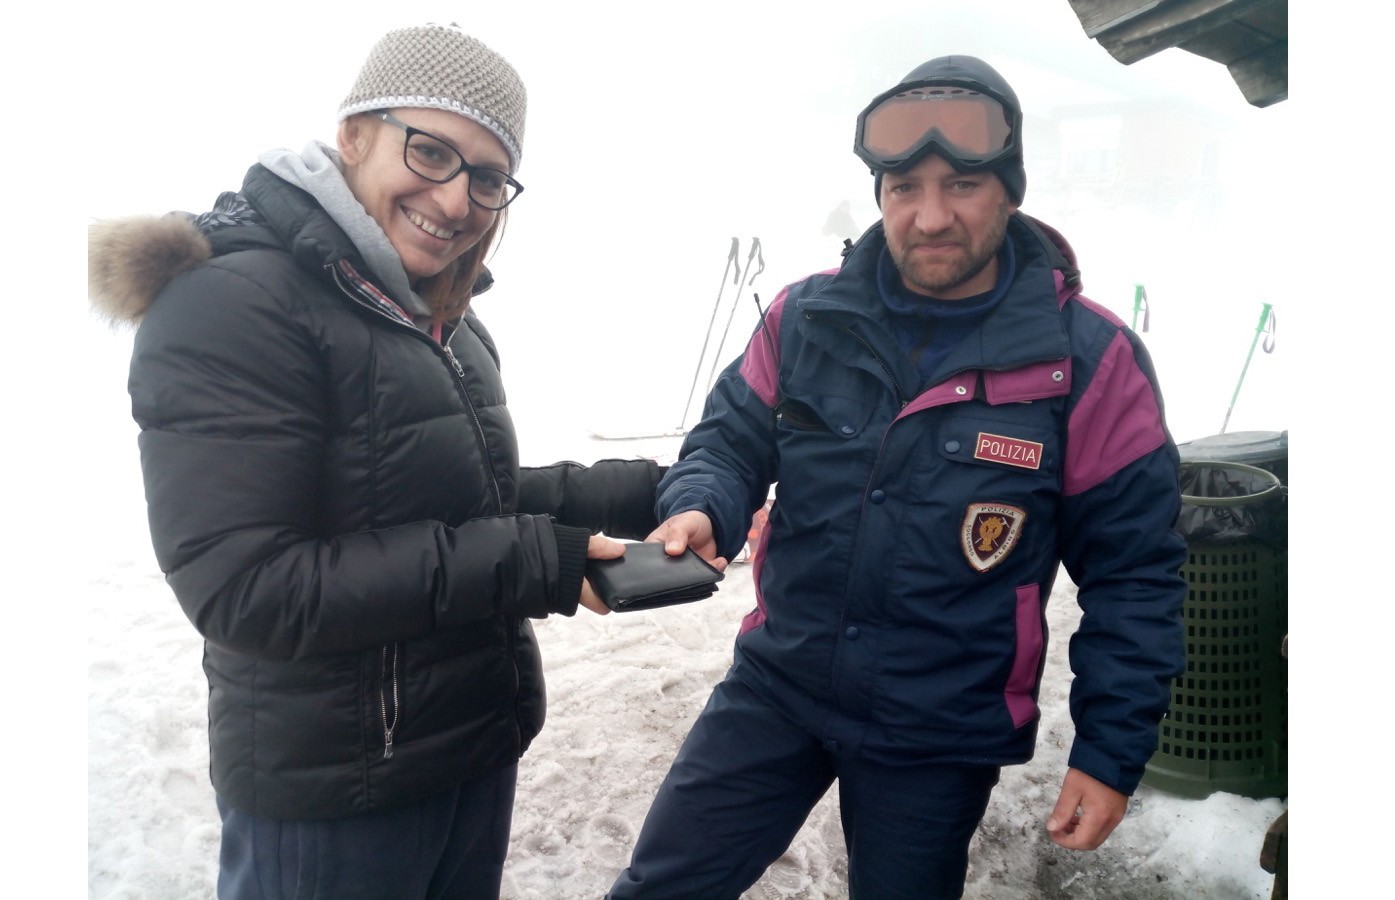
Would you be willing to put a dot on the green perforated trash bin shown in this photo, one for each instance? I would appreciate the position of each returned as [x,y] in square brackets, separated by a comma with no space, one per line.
[1226,727]
[1267,450]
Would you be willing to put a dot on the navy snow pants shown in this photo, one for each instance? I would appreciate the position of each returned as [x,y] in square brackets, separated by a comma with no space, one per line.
[747,777]
[450,846]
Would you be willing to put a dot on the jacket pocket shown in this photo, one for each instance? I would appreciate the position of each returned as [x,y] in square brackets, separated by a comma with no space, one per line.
[841,417]
[796,416]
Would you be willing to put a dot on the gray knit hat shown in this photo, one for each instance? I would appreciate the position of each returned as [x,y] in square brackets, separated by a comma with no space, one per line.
[441,67]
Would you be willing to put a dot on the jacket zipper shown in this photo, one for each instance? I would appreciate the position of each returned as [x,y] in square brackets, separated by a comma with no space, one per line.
[389,726]
[901,397]
[479,426]
[445,350]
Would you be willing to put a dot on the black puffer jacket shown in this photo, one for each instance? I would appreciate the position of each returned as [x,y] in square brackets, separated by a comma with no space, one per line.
[337,503]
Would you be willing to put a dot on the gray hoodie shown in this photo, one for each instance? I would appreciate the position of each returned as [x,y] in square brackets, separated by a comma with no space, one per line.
[318,171]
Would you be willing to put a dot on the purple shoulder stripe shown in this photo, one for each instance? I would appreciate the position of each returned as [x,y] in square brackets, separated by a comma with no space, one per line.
[1116,422]
[761,363]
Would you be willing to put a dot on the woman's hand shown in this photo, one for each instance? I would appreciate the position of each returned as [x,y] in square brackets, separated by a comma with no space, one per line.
[598,548]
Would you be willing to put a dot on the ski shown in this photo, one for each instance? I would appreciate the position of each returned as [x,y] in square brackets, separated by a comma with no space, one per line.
[655,435]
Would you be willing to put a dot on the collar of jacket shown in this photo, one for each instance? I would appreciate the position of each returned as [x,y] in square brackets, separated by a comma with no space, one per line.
[1024,328]
[303,227]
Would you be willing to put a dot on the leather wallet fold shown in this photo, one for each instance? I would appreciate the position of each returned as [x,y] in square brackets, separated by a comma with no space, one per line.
[646,578]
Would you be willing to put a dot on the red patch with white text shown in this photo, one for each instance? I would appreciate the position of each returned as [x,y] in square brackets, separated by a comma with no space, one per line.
[1009,451]
[989,532]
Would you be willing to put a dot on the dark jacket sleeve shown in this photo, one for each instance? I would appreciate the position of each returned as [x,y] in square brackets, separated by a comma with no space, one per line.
[729,459]
[231,405]
[615,496]
[1117,542]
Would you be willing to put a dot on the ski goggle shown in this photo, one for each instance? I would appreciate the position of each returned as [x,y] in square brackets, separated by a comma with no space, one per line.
[964,122]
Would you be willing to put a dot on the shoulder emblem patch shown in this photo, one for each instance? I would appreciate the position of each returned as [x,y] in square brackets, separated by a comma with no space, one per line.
[1007,450]
[989,533]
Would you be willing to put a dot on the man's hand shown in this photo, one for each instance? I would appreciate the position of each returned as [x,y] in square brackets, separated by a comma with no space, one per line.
[1085,813]
[689,529]
[598,548]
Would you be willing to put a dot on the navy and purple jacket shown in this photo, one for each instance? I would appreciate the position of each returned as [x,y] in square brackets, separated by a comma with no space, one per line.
[918,524]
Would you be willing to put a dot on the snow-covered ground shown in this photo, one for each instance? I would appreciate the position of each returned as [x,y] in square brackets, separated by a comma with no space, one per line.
[622,691]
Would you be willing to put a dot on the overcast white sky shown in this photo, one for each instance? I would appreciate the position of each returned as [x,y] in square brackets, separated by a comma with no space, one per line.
[653,138]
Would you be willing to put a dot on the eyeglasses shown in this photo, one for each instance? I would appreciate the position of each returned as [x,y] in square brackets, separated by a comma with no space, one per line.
[435,160]
[963,121]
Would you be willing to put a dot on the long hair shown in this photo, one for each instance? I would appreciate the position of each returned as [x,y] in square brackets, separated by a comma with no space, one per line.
[448,292]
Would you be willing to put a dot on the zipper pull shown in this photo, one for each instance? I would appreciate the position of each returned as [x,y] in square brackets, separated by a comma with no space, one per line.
[387,745]
[450,354]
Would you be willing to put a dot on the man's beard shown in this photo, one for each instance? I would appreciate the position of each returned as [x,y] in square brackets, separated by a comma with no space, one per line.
[977,259]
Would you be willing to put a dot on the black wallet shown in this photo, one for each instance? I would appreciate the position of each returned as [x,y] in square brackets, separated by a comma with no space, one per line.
[646,578]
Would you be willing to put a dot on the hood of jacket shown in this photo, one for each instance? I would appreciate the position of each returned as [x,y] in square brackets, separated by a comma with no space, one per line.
[130,260]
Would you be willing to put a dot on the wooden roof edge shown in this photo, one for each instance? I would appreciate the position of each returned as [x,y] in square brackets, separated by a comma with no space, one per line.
[1131,30]
[1263,76]
[1165,25]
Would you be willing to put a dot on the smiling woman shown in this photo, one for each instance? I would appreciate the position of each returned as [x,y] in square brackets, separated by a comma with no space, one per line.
[430,219]
[334,488]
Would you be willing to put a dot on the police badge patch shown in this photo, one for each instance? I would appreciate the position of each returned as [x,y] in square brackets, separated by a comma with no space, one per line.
[989,533]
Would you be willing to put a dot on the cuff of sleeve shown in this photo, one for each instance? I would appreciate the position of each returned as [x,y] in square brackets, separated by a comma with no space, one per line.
[1102,767]
[571,566]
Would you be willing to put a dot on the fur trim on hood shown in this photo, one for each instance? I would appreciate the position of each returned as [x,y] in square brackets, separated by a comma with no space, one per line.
[130,260]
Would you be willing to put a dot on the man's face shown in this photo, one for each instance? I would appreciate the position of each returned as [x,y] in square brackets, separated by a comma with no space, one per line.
[944,228]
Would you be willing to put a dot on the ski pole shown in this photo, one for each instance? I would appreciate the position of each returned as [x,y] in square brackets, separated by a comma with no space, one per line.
[697,370]
[1266,325]
[1140,301]
[748,278]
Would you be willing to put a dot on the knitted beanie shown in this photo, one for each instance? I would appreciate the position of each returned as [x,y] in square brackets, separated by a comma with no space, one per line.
[441,67]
